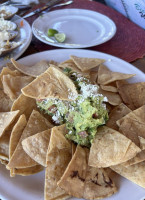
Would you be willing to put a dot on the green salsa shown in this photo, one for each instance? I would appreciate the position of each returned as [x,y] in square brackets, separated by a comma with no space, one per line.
[83,114]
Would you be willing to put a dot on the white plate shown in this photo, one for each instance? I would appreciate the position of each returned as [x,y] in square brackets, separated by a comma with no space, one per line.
[83,28]
[24,36]
[32,187]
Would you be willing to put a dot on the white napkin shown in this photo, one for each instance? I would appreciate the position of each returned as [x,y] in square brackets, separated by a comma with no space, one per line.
[26,2]
[133,9]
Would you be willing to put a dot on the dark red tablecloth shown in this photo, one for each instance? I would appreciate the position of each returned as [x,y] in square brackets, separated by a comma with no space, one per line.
[128,43]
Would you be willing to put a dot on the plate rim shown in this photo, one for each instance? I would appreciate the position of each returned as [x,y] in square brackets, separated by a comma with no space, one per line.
[72,46]
[91,51]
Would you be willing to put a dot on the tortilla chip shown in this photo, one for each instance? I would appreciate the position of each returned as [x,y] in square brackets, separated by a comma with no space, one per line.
[35,146]
[137,159]
[117,113]
[16,134]
[26,171]
[5,102]
[83,181]
[110,148]
[4,146]
[57,163]
[13,84]
[34,70]
[4,162]
[132,125]
[133,94]
[11,66]
[73,179]
[121,82]
[51,84]
[113,98]
[25,105]
[105,76]
[73,148]
[36,123]
[57,137]
[98,184]
[85,64]
[6,119]
[134,173]
[71,65]
[7,71]
[58,158]
[109,88]
[93,77]
[142,142]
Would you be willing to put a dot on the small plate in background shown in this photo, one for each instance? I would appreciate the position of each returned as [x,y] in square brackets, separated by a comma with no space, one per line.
[83,28]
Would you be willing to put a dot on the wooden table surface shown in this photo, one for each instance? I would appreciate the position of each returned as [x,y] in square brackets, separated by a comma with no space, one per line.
[139,63]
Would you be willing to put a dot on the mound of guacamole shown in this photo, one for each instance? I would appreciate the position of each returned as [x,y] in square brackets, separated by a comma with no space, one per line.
[83,114]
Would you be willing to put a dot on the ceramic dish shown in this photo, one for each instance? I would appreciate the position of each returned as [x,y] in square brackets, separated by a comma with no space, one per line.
[83,28]
[32,187]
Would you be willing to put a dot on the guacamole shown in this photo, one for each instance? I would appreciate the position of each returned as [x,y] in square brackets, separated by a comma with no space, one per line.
[83,114]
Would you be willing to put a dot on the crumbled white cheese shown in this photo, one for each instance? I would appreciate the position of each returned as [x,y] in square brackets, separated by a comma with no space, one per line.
[71,95]
[89,90]
[56,117]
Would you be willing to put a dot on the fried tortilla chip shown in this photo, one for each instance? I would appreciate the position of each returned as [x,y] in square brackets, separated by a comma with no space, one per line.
[117,113]
[142,142]
[51,84]
[137,159]
[121,82]
[85,64]
[5,102]
[93,77]
[4,162]
[58,158]
[25,105]
[34,70]
[6,119]
[7,71]
[16,134]
[134,173]
[98,184]
[13,84]
[109,88]
[113,98]
[56,136]
[73,148]
[132,125]
[110,148]
[83,181]
[133,94]
[105,76]
[36,146]
[73,179]
[11,66]
[26,171]
[36,123]
[71,65]
[4,146]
